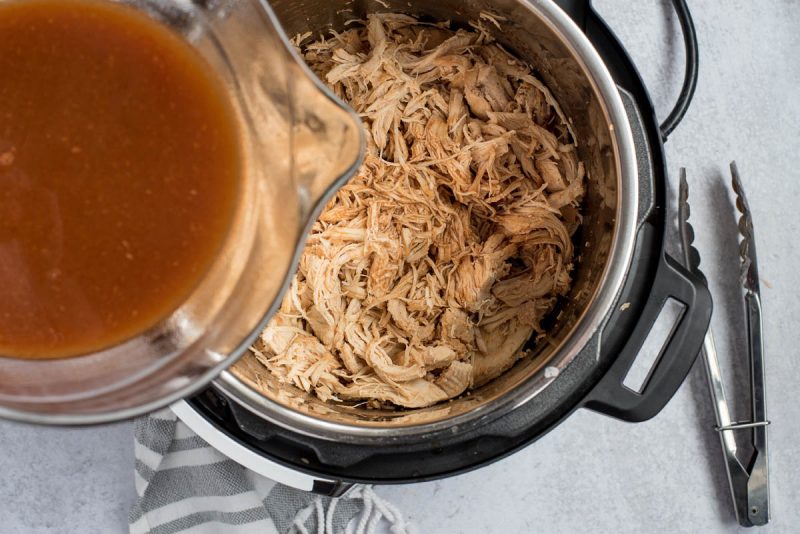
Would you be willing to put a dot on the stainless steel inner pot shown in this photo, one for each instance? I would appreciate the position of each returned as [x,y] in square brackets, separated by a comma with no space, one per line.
[541,34]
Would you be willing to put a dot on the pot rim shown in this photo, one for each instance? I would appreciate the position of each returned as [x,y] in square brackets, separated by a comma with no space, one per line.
[591,320]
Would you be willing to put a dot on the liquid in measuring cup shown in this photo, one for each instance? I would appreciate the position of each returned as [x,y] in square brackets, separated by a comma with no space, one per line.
[120,166]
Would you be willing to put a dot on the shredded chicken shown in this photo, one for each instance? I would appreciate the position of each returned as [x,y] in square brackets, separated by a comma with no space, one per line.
[427,274]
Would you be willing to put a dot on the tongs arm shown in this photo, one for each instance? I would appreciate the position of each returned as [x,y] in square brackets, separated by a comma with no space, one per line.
[757,511]
[758,482]
[738,476]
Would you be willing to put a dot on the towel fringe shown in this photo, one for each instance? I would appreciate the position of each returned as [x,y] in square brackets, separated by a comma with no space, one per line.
[375,510]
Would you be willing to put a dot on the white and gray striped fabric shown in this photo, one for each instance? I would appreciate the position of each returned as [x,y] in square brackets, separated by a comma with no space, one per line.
[186,486]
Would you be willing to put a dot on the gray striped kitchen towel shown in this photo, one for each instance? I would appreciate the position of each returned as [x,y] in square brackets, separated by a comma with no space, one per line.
[184,485]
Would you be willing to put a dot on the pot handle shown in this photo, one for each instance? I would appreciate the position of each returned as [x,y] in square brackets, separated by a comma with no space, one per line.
[610,396]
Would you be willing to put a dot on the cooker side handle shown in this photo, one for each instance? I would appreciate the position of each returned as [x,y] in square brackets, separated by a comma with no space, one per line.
[611,396]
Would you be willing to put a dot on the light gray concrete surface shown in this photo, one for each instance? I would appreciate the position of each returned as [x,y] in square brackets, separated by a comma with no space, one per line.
[592,474]
[58,480]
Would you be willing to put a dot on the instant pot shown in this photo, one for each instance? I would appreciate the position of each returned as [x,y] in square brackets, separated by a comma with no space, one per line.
[621,282]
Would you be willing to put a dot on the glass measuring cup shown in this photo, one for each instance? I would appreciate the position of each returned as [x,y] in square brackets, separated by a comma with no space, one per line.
[299,143]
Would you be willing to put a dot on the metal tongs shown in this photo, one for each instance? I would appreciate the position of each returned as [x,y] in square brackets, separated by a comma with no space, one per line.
[749,481]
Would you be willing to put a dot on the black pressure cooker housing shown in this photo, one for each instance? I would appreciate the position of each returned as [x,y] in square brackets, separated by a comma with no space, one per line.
[592,380]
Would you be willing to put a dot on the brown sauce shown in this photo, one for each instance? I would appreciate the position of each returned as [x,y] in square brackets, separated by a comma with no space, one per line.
[119,172]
